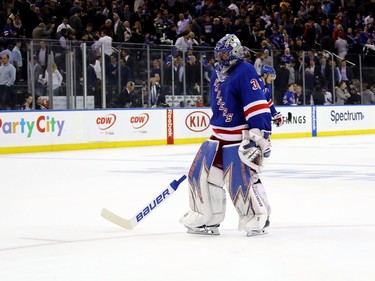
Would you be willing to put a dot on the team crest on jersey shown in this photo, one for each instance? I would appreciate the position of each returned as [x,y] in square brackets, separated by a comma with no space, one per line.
[221,103]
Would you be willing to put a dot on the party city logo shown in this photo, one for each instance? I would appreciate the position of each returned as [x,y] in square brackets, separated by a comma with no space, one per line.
[43,124]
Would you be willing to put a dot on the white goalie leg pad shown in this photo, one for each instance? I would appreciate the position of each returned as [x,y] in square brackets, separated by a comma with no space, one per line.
[258,219]
[207,203]
[246,191]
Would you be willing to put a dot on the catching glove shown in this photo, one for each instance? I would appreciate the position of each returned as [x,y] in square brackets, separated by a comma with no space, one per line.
[255,146]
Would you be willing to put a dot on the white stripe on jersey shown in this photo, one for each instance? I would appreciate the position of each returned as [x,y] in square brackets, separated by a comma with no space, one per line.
[255,108]
[229,133]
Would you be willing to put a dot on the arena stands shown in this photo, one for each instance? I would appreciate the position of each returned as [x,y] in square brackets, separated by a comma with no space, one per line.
[318,42]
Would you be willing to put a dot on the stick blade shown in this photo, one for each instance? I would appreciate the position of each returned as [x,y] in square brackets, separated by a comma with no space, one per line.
[108,215]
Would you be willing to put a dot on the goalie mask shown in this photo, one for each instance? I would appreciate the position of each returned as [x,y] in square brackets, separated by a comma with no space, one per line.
[228,51]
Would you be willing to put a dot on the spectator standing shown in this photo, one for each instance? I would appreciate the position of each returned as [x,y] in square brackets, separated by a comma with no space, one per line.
[42,54]
[7,79]
[314,69]
[155,67]
[42,32]
[112,77]
[333,75]
[300,45]
[310,83]
[217,30]
[368,95]
[126,14]
[125,73]
[38,76]
[127,27]
[183,43]
[258,64]
[105,41]
[342,47]
[118,28]
[62,48]
[93,83]
[56,79]
[76,22]
[194,27]
[292,71]
[129,61]
[267,59]
[122,100]
[108,27]
[76,5]
[17,59]
[19,29]
[192,69]
[8,31]
[64,25]
[155,90]
[309,36]
[207,29]
[287,57]
[182,23]
[342,93]
[347,73]
[281,83]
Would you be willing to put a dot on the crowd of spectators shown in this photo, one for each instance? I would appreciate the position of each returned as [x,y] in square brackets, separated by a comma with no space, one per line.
[307,41]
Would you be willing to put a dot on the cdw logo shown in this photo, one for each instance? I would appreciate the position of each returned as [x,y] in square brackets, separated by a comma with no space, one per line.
[106,122]
[139,121]
[197,121]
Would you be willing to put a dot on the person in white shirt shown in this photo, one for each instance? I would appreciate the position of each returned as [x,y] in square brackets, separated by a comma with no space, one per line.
[56,79]
[184,43]
[106,41]
[65,24]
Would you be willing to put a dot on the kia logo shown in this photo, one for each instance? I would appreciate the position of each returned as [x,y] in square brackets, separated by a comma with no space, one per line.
[197,121]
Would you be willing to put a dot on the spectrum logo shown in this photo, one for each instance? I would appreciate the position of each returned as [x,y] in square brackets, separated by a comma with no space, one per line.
[139,121]
[197,121]
[106,122]
[43,124]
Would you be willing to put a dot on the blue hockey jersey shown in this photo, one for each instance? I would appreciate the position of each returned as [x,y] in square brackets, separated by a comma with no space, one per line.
[238,103]
[268,94]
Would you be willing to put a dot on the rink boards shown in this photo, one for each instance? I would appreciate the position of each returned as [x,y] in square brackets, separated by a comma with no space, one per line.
[31,131]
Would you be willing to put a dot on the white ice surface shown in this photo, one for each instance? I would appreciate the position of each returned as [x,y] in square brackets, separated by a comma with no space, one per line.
[322,193]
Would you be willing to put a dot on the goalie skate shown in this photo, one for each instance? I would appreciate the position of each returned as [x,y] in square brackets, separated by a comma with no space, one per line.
[205,230]
[256,232]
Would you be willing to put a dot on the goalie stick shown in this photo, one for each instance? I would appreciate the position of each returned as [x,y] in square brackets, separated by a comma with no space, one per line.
[142,214]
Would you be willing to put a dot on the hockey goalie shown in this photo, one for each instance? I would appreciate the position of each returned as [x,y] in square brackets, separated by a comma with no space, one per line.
[234,155]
